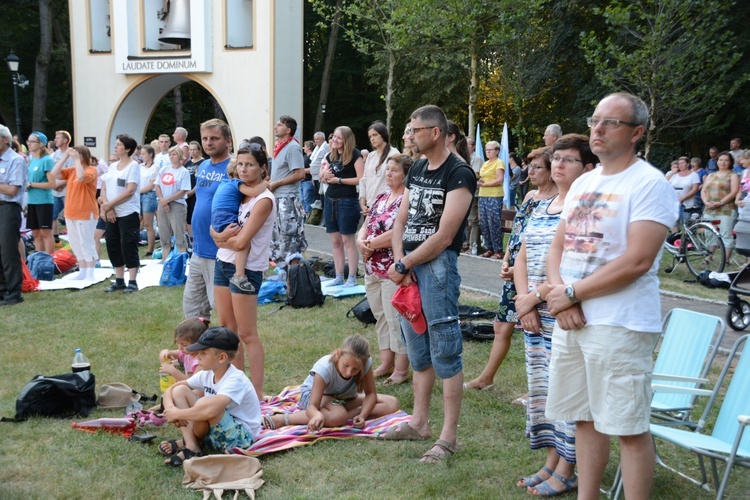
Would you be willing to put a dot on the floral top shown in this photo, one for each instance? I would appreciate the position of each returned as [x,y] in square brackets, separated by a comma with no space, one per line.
[382,216]
[717,186]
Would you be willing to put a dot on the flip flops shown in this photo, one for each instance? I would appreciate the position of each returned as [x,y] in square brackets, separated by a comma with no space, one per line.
[403,432]
[434,457]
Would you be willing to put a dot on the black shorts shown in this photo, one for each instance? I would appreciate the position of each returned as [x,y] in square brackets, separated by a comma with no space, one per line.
[39,216]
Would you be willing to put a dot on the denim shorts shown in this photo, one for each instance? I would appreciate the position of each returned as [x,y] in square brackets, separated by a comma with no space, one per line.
[149,203]
[224,271]
[228,434]
[342,215]
[58,205]
[441,345]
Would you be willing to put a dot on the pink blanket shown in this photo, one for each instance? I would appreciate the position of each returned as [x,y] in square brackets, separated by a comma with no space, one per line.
[293,436]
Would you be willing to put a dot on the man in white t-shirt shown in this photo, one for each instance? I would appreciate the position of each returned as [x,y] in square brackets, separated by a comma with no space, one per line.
[604,295]
[161,159]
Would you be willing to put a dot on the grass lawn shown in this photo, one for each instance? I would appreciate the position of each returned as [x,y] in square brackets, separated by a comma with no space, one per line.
[122,335]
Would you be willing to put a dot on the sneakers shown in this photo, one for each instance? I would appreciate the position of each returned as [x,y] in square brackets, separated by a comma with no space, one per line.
[132,287]
[242,283]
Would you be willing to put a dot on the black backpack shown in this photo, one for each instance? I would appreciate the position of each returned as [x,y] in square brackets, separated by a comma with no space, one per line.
[362,312]
[303,286]
[57,396]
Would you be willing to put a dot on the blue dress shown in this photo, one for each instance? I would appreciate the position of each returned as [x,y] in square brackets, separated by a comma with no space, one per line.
[543,432]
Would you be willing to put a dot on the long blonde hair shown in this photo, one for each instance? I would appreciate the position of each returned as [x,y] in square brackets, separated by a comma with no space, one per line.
[358,347]
[349,144]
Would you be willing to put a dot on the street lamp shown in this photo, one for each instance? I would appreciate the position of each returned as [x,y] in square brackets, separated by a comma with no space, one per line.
[18,81]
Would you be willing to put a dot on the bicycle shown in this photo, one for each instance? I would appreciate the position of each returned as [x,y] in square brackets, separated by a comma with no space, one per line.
[698,245]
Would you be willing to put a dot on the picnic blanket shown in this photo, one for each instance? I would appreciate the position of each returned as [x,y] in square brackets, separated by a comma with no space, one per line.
[339,291]
[293,436]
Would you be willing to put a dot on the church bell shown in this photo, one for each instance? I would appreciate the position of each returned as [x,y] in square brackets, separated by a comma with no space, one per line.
[177,31]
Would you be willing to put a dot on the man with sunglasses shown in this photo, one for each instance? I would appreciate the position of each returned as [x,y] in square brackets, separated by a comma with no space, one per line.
[604,295]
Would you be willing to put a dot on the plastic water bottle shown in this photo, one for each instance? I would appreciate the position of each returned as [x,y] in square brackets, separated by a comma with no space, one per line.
[80,363]
[124,426]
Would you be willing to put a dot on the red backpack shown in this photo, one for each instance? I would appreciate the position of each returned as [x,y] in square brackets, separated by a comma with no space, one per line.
[30,284]
[64,260]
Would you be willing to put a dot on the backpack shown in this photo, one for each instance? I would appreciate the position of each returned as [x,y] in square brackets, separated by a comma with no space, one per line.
[57,396]
[30,283]
[173,273]
[42,266]
[303,286]
[362,312]
[471,330]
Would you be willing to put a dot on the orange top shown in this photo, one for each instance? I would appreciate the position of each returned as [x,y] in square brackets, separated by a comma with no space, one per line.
[80,201]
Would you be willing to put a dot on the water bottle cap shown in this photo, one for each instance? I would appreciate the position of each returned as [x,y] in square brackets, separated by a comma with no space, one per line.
[78,350]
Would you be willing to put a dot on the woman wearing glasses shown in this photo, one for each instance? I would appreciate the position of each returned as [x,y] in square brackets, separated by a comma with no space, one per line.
[571,158]
[491,201]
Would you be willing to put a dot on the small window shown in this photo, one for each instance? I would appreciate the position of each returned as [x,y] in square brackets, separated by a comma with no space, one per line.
[238,15]
[100,27]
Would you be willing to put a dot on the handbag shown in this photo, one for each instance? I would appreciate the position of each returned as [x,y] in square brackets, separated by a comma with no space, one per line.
[362,312]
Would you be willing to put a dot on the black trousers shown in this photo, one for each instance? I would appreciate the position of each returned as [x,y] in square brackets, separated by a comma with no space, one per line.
[11,271]
[122,241]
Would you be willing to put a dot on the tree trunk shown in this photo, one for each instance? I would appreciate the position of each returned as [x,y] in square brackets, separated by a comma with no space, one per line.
[61,42]
[389,91]
[328,66]
[41,74]
[177,106]
[473,90]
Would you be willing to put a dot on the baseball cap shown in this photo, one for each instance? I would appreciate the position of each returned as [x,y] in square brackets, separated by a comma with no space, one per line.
[218,337]
[408,302]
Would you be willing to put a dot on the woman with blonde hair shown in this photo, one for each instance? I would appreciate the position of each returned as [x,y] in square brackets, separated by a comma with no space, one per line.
[172,186]
[342,211]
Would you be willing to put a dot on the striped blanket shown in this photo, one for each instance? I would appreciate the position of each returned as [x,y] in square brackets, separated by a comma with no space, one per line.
[292,436]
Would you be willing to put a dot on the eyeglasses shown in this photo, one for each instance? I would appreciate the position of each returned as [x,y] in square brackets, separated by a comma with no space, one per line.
[29,141]
[568,161]
[417,129]
[608,123]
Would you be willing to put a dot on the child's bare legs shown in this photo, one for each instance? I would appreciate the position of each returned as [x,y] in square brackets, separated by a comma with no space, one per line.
[192,432]
[239,279]
[336,415]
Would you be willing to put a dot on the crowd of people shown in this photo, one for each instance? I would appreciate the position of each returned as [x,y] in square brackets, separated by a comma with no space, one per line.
[578,272]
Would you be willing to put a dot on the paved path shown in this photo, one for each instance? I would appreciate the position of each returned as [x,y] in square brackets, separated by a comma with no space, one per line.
[482,275]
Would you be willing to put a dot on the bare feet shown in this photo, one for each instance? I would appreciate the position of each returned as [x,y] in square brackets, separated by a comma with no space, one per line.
[383,371]
[478,384]
[397,378]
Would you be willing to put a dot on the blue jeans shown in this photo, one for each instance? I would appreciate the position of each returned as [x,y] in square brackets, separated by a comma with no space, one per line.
[441,345]
[307,195]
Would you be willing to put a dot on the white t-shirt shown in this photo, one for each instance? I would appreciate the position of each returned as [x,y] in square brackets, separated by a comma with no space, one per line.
[244,405]
[116,181]
[682,185]
[171,180]
[148,174]
[161,160]
[598,210]
[257,259]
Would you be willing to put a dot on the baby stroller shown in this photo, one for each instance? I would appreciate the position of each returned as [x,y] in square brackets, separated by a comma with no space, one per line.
[738,310]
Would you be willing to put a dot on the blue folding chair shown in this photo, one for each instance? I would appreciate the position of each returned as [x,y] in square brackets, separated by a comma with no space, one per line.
[684,359]
[689,343]
[727,441]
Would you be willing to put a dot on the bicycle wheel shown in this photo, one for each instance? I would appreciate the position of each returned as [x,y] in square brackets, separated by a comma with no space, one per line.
[705,250]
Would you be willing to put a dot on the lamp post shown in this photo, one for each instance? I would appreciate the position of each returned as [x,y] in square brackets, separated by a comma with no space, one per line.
[13,63]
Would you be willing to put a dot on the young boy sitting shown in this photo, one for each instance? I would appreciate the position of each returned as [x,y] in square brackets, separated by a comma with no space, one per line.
[228,413]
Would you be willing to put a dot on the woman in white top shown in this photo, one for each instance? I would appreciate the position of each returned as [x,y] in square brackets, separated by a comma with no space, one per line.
[238,309]
[172,186]
[373,178]
[685,183]
[148,196]
[120,207]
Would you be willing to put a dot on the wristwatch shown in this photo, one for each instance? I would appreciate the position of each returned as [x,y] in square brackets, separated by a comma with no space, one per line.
[400,267]
[339,180]
[570,293]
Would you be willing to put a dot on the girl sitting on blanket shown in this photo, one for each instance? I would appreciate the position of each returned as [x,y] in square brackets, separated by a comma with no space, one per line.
[187,333]
[340,387]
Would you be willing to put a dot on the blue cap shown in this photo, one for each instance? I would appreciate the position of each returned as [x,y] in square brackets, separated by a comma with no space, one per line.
[41,136]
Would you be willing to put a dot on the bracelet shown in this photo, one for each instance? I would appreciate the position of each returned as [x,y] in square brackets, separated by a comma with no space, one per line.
[339,180]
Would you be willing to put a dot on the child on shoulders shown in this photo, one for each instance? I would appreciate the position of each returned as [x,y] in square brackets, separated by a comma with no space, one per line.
[225,209]
[228,413]
[187,333]
[340,387]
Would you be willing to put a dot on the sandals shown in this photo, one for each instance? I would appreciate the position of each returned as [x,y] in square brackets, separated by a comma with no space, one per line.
[269,424]
[545,490]
[433,456]
[403,432]
[176,460]
[532,481]
[487,254]
[173,446]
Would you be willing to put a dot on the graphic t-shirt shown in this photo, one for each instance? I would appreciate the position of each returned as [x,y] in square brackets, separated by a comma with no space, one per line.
[171,180]
[345,171]
[598,210]
[427,192]
[207,181]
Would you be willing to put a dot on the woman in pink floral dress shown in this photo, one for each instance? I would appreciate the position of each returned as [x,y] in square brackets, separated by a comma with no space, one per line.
[374,244]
